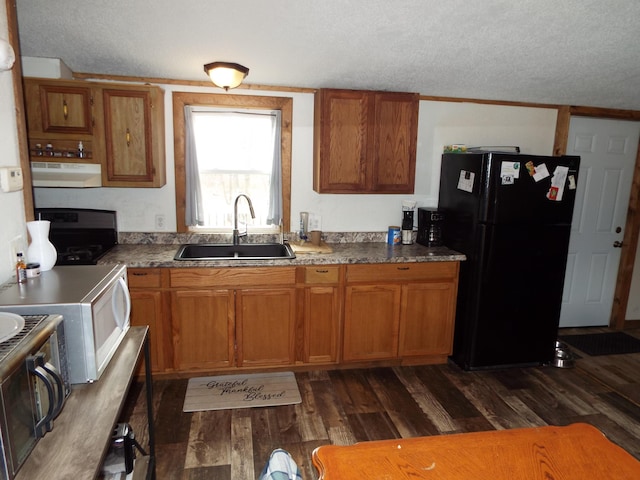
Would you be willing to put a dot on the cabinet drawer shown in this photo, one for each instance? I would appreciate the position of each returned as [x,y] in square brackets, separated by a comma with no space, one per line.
[232,277]
[322,274]
[401,271]
[144,278]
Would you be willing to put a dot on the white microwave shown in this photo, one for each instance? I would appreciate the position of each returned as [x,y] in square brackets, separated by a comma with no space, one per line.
[95,303]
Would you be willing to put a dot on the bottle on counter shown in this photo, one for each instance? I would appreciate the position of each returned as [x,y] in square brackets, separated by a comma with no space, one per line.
[21,268]
[80,149]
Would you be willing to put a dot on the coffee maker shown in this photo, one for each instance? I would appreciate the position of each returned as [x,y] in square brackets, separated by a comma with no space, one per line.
[408,207]
[430,227]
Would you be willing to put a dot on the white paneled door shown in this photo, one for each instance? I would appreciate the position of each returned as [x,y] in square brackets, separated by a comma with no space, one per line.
[607,149]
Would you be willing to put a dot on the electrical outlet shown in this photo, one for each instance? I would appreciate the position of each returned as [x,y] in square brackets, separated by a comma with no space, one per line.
[160,222]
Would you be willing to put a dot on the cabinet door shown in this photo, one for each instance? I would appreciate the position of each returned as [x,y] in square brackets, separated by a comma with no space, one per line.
[146,309]
[66,109]
[265,326]
[341,144]
[202,323]
[321,324]
[427,319]
[133,137]
[372,314]
[395,140]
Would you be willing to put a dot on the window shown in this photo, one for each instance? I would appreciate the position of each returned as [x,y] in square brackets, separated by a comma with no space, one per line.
[234,145]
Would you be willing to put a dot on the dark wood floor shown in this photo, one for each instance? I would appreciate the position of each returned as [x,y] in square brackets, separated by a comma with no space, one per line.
[347,406]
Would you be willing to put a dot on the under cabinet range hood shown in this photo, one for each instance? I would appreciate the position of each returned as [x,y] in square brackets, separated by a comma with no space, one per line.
[66,174]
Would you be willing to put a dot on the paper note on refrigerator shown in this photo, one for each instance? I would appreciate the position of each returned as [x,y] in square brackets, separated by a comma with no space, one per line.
[465,182]
[557,183]
[541,172]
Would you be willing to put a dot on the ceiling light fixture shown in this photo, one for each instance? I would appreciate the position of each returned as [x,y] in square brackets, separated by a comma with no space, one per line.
[226,75]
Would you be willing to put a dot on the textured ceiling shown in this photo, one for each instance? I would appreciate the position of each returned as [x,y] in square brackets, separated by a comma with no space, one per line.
[575,52]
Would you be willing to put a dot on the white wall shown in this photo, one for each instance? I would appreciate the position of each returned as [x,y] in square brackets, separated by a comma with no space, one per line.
[440,123]
[12,223]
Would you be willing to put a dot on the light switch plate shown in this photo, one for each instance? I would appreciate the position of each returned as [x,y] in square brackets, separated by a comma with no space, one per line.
[11,179]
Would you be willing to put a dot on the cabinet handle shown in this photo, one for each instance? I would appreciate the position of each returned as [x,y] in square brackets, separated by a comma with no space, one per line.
[404,268]
[139,274]
[65,109]
[322,271]
[128,137]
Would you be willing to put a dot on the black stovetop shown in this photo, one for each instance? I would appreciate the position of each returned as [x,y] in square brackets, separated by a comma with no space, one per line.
[81,236]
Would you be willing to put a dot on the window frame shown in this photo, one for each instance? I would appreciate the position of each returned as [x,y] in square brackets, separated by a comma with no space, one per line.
[180,99]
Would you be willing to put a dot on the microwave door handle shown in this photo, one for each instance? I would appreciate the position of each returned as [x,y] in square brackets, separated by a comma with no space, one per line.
[60,387]
[127,297]
[35,364]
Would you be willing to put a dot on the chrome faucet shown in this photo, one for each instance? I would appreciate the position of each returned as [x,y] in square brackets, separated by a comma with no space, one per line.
[236,233]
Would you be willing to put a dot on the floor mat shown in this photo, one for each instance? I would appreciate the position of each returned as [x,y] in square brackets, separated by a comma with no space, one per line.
[241,391]
[595,344]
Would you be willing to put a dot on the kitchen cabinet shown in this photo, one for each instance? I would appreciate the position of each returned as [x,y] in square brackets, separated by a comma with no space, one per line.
[265,326]
[321,311]
[148,309]
[400,311]
[134,136]
[60,113]
[223,317]
[365,141]
[121,127]
[202,322]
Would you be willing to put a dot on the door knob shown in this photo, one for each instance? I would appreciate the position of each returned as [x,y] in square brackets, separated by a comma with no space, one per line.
[617,244]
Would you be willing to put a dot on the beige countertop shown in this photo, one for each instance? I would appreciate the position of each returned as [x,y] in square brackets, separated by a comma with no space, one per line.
[161,255]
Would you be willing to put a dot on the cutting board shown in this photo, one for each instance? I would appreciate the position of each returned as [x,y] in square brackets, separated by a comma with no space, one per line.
[308,247]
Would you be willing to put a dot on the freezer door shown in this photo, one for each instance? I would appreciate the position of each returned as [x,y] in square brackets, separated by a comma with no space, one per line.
[506,188]
[523,189]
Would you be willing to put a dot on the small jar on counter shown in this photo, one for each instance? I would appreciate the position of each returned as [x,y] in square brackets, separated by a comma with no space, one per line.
[33,270]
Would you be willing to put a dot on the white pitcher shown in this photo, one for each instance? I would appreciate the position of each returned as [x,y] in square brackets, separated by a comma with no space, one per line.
[41,250]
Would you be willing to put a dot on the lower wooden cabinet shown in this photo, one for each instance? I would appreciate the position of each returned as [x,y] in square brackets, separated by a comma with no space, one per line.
[265,326]
[202,327]
[148,308]
[371,322]
[400,311]
[226,317]
[321,309]
[427,317]
[244,317]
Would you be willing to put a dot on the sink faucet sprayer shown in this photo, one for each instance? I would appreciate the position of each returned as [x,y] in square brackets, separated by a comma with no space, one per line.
[236,233]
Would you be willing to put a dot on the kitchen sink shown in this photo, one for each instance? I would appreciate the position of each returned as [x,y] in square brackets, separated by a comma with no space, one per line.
[247,251]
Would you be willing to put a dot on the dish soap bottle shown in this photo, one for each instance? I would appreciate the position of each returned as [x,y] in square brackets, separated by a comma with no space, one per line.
[21,268]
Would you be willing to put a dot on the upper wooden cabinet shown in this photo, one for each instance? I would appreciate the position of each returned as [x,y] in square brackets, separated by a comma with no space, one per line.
[365,141]
[60,108]
[60,113]
[121,128]
[134,136]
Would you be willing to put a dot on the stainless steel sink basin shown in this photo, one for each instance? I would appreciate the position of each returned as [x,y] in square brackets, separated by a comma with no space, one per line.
[247,251]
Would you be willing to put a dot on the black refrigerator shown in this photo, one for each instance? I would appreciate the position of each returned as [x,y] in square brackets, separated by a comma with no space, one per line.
[510,214]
